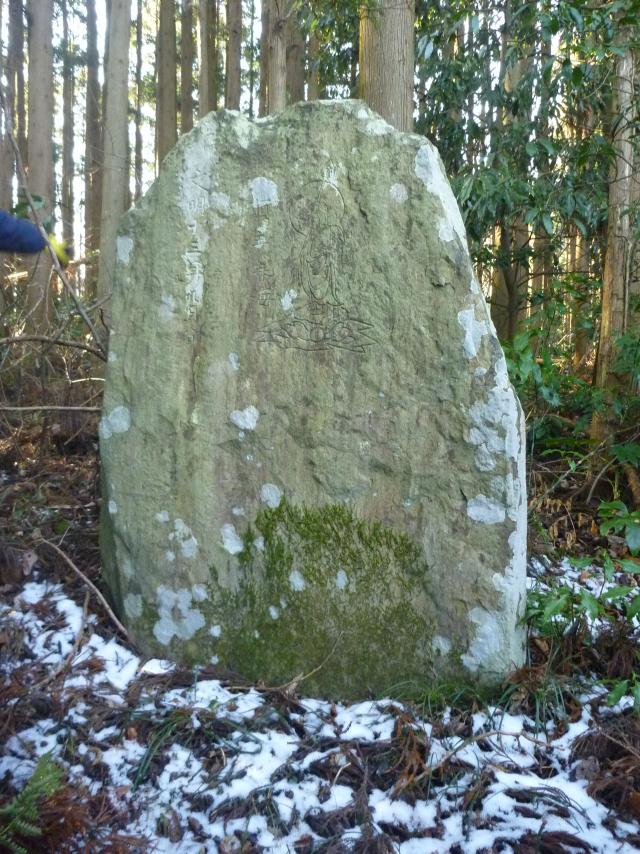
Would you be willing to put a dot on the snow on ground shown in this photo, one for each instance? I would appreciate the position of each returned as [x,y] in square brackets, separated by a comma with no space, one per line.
[198,765]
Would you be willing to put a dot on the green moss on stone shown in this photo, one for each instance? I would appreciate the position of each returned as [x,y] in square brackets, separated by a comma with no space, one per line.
[324,587]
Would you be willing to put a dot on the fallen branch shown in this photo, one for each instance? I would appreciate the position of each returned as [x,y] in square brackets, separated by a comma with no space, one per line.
[91,587]
[46,340]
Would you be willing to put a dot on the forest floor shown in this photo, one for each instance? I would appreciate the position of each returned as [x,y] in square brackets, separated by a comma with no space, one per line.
[113,753]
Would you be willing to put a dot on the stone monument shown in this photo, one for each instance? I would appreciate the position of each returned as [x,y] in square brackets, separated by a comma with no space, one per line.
[313,460]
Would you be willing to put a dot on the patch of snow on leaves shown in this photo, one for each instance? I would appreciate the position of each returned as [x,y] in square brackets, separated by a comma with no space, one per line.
[279,771]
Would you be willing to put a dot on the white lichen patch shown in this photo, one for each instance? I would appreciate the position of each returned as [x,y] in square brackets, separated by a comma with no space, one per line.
[296,580]
[474,330]
[263,192]
[199,592]
[162,516]
[215,631]
[287,300]
[112,507]
[246,130]
[176,616]
[117,421]
[486,510]
[234,361]
[258,543]
[124,245]
[184,539]
[398,193]
[133,605]
[430,171]
[496,424]
[238,511]
[167,307]
[231,541]
[245,419]
[486,651]
[270,494]
[274,613]
[221,203]
[112,358]
[342,579]
[377,127]
[442,644]
[169,556]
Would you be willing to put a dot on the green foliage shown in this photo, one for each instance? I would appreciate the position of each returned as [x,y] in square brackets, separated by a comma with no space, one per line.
[20,816]
[558,611]
[616,517]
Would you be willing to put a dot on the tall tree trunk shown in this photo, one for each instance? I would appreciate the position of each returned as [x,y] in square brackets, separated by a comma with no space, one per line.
[40,149]
[16,66]
[234,54]
[313,79]
[208,83]
[387,60]
[186,66]
[277,85]
[295,59]
[166,98]
[580,306]
[252,64]
[263,93]
[615,281]
[93,143]
[139,97]
[6,149]
[114,192]
[68,87]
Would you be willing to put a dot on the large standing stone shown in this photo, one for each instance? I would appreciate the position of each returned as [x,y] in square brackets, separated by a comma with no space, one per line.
[312,455]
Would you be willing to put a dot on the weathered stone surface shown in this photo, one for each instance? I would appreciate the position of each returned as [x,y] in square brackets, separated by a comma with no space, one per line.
[312,456]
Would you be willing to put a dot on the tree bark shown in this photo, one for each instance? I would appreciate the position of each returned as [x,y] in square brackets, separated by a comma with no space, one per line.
[137,169]
[208,82]
[277,85]
[167,101]
[16,65]
[263,92]
[295,60]
[615,283]
[186,66]
[234,53]
[313,80]
[40,150]
[114,193]
[387,60]
[93,142]
[68,91]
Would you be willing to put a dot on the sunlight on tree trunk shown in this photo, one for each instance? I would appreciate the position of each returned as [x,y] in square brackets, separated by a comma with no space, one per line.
[166,103]
[277,85]
[186,66]
[116,167]
[387,60]
[615,283]
[40,151]
[234,54]
[208,57]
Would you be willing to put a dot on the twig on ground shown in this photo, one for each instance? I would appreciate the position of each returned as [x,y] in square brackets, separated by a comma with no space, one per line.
[92,587]
[72,654]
